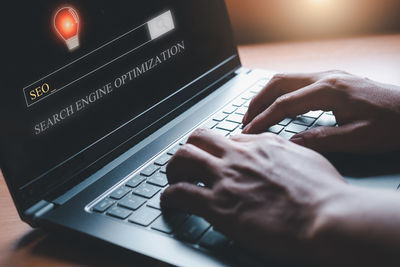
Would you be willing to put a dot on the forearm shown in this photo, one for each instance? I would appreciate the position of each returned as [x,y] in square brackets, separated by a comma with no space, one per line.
[360,228]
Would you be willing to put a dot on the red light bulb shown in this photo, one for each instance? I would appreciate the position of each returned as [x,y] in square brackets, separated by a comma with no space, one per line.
[66,23]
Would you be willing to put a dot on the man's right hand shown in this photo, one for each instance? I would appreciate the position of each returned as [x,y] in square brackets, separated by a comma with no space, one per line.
[368,112]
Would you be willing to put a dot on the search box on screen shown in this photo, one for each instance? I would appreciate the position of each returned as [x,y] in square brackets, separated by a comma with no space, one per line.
[98,59]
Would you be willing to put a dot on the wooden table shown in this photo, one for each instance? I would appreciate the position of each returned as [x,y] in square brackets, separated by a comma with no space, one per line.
[377,57]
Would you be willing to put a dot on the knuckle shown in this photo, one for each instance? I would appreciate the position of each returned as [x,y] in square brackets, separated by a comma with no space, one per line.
[335,81]
[318,133]
[181,188]
[183,152]
[270,137]
[275,81]
[197,134]
[335,72]
[225,189]
[330,81]
[282,100]
[272,141]
[173,191]
[238,148]
[279,77]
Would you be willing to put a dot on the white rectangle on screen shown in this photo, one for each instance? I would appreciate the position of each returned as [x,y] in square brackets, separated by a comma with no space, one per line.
[161,25]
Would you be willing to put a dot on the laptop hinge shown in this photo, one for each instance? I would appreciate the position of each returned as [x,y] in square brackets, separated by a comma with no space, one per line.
[36,211]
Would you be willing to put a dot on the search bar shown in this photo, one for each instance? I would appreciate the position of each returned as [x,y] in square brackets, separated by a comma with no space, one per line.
[98,59]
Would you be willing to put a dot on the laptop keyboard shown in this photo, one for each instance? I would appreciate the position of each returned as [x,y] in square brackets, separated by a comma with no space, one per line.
[137,200]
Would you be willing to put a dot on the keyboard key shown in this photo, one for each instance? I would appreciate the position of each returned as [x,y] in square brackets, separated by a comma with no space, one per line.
[193,229]
[286,135]
[132,202]
[247,104]
[163,169]
[209,125]
[236,132]
[184,141]
[238,102]
[214,240]
[276,129]
[149,170]
[162,160]
[159,179]
[173,150]
[146,190]
[220,117]
[285,122]
[135,181]
[326,120]
[229,109]
[120,192]
[295,128]
[256,89]
[227,126]
[221,132]
[248,96]
[169,221]
[314,114]
[103,205]
[263,82]
[144,216]
[241,111]
[236,118]
[304,121]
[155,202]
[119,212]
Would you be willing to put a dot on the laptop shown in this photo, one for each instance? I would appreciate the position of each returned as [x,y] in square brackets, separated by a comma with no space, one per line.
[98,96]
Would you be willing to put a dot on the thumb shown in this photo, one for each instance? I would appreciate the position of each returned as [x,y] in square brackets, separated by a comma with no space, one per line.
[346,138]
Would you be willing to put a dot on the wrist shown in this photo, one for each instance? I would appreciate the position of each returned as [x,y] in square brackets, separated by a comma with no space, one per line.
[326,222]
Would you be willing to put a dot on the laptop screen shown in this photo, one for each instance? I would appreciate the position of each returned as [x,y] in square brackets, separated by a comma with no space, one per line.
[77,71]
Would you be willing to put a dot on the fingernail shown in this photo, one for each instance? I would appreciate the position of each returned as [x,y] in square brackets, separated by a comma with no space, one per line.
[246,129]
[298,140]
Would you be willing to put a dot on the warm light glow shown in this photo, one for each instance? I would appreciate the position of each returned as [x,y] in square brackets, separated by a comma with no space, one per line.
[318,1]
[260,20]
[66,23]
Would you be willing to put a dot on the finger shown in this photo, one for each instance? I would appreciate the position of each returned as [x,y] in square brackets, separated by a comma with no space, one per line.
[188,198]
[279,85]
[192,164]
[313,97]
[209,141]
[349,138]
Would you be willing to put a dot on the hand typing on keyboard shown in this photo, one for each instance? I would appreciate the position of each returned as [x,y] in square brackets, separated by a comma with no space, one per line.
[260,190]
[368,112]
[281,200]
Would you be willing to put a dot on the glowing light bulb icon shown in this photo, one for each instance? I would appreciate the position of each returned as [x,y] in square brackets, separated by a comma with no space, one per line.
[66,23]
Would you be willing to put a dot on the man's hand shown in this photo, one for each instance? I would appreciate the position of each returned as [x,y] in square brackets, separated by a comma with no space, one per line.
[368,112]
[262,191]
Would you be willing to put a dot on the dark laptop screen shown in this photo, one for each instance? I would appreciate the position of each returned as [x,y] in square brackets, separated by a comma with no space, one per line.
[76,71]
